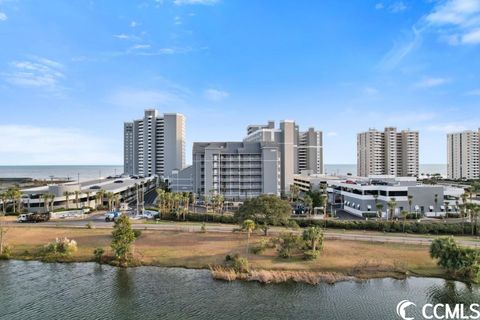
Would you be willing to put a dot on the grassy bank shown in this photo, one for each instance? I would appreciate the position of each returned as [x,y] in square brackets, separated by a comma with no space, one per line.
[201,250]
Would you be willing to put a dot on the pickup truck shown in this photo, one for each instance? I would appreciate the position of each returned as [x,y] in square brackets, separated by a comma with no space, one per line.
[112,216]
[33,217]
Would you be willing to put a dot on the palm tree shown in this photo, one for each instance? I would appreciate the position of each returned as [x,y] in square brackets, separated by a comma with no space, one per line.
[436,204]
[294,192]
[66,194]
[410,203]
[15,195]
[77,193]
[99,197]
[249,226]
[110,196]
[308,201]
[404,215]
[445,204]
[3,198]
[46,199]
[392,206]
[88,199]
[379,207]
[206,198]
[475,213]
[313,235]
[52,201]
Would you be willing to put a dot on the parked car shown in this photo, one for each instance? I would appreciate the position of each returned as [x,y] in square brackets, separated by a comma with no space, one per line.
[33,217]
[112,216]
[118,181]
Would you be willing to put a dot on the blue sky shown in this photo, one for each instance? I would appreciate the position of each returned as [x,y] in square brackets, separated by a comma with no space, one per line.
[72,71]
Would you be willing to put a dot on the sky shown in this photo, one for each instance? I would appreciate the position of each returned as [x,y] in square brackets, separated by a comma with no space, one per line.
[71,72]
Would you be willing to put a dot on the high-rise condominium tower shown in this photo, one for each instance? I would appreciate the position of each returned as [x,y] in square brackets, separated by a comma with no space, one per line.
[388,153]
[154,145]
[298,150]
[463,155]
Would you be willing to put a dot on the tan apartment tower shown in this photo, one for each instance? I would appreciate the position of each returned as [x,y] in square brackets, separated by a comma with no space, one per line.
[463,155]
[388,153]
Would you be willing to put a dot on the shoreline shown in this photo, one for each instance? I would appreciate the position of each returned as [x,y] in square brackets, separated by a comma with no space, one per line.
[341,260]
[262,276]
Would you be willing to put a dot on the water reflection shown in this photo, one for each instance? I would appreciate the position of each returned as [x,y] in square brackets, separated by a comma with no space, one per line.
[451,292]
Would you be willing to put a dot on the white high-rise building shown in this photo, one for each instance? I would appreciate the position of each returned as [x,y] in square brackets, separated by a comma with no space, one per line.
[154,145]
[463,155]
[388,153]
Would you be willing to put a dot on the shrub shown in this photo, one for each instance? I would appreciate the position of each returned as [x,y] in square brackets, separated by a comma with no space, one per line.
[203,228]
[6,254]
[237,263]
[89,225]
[289,244]
[60,247]
[262,246]
[137,233]
[98,254]
[311,254]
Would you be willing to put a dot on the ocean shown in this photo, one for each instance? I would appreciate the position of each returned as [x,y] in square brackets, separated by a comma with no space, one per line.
[343,169]
[60,172]
[93,172]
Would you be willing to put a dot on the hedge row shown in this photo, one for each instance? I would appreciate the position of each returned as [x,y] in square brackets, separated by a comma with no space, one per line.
[391,226]
[200,217]
[371,225]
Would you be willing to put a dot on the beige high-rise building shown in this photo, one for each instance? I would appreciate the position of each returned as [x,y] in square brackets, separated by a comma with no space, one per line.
[388,153]
[155,144]
[463,155]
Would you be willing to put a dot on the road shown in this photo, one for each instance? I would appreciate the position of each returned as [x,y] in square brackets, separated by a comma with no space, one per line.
[98,221]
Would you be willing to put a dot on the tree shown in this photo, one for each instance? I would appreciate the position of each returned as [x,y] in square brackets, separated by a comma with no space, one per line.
[66,194]
[3,234]
[265,211]
[379,207]
[436,204]
[46,200]
[308,202]
[248,225]
[15,195]
[99,197]
[77,193]
[392,206]
[123,238]
[404,215]
[289,244]
[294,192]
[4,198]
[313,236]
[52,201]
[410,203]
[88,199]
[456,259]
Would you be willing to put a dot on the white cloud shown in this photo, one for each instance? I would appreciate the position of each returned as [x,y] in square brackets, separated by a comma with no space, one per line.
[133,24]
[140,98]
[430,82]
[177,20]
[186,2]
[128,37]
[400,50]
[332,134]
[379,6]
[140,46]
[447,128]
[458,19]
[371,91]
[474,92]
[215,95]
[54,145]
[3,16]
[398,6]
[36,72]
[472,37]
